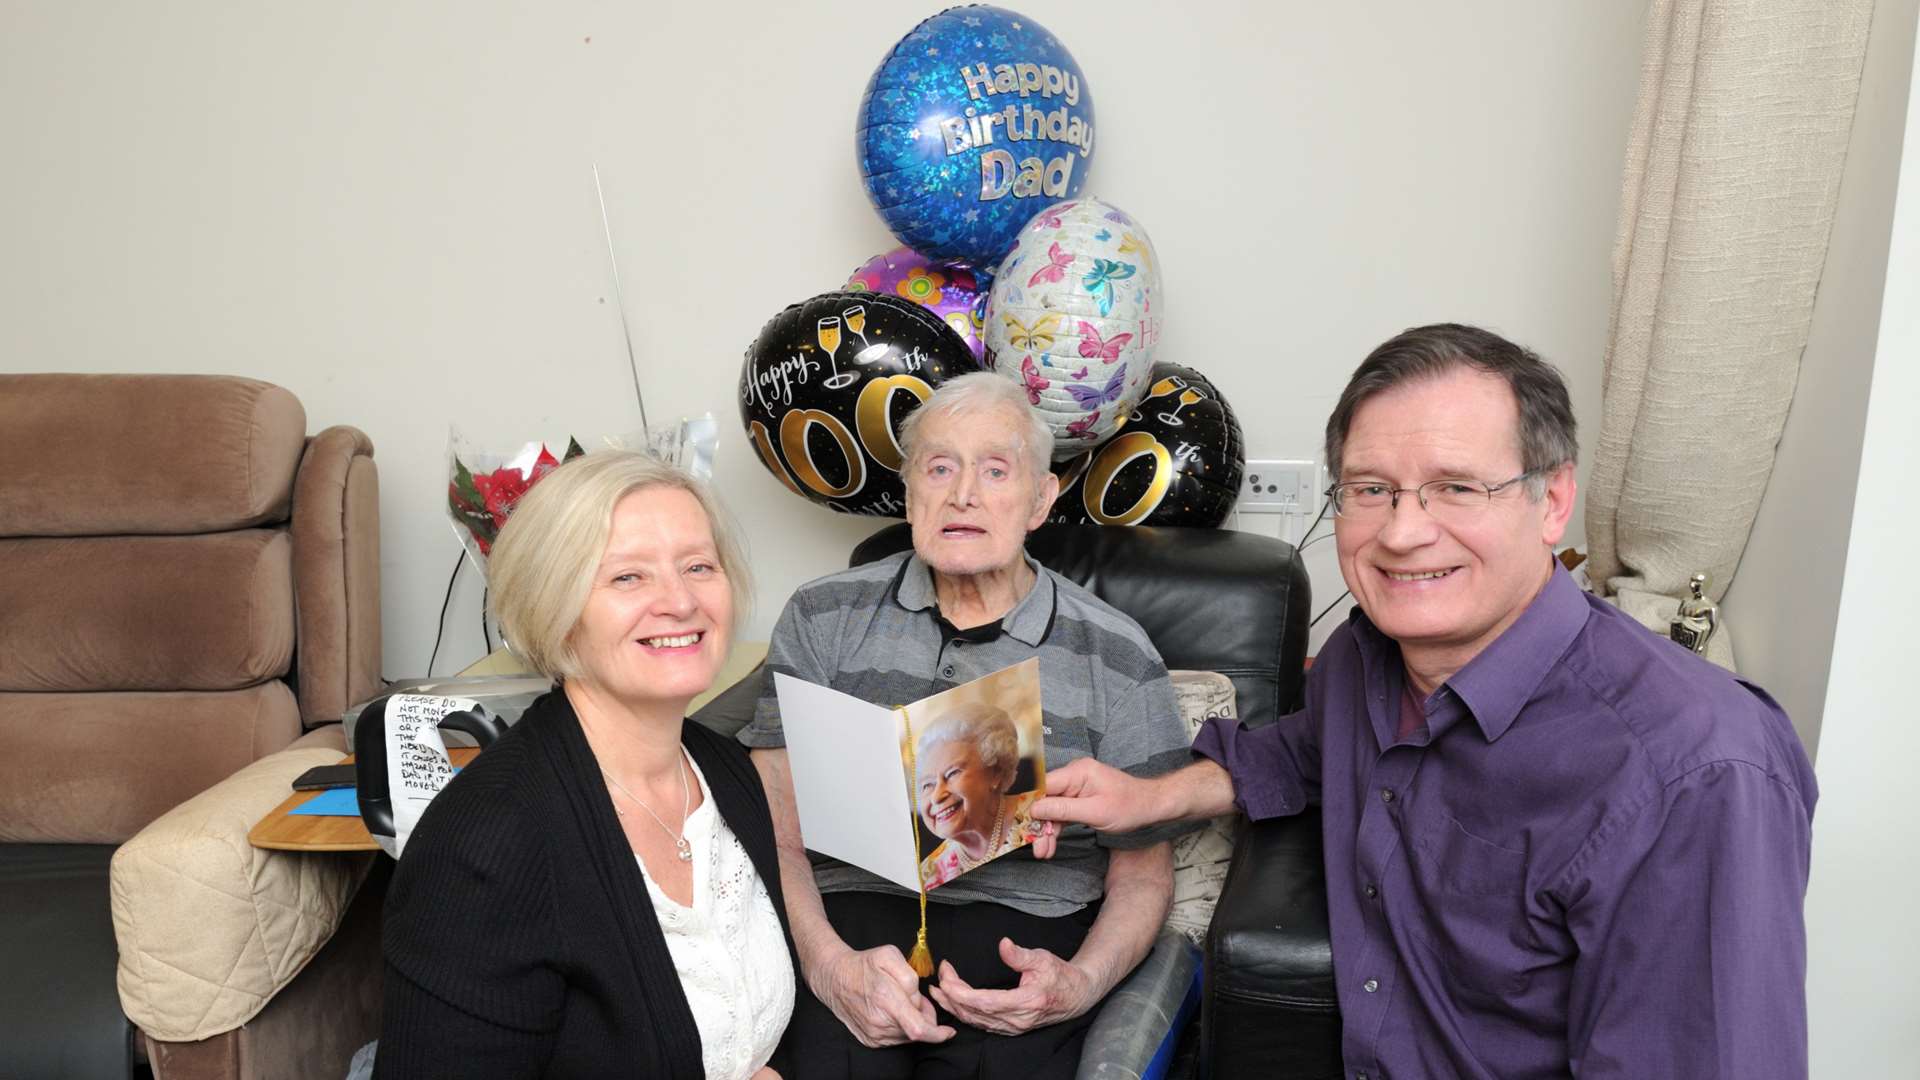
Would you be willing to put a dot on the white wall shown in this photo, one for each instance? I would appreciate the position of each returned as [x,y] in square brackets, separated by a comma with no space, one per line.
[1863,941]
[1784,600]
[387,208]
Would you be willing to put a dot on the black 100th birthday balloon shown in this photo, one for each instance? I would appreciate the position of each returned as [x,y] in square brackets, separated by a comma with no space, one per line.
[1176,460]
[824,387]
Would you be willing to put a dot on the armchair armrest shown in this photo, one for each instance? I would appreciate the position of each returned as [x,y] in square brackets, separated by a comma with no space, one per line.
[1130,1034]
[336,574]
[210,928]
[1269,1007]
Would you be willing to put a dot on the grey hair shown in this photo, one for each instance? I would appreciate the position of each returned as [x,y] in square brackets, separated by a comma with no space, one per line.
[974,393]
[541,570]
[1546,425]
[989,729]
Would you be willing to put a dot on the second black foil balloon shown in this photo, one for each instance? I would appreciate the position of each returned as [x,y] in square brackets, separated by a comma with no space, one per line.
[1177,460]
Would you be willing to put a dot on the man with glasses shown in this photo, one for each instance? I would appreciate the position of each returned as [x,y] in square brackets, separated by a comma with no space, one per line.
[1556,843]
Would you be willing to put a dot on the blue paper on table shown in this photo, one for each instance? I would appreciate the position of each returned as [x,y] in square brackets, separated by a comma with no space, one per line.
[334,802]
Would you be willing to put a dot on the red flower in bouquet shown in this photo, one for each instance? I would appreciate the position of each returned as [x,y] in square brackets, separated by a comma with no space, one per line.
[500,490]
[482,501]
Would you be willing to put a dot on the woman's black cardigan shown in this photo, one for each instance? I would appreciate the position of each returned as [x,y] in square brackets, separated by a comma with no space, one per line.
[519,936]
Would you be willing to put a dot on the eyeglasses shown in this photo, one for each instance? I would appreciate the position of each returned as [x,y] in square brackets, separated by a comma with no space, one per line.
[1365,500]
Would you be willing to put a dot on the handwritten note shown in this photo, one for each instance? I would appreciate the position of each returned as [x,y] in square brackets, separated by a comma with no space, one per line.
[417,762]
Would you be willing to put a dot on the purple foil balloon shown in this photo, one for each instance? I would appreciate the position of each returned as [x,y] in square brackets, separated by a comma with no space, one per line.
[951,290]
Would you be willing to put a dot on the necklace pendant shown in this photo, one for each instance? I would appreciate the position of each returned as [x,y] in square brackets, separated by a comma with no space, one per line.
[686,849]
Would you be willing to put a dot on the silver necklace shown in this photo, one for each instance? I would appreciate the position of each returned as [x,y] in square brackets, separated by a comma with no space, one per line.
[681,847]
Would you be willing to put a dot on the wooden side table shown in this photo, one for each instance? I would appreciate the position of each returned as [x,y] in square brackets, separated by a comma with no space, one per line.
[284,830]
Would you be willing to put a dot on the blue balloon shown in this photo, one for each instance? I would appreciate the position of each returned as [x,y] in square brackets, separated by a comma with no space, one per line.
[977,120]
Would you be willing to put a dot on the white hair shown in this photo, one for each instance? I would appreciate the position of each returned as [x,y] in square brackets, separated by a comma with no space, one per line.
[978,392]
[988,729]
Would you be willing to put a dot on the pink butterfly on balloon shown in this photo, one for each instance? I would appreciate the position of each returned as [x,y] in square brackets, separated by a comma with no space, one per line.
[1092,398]
[1081,374]
[1050,217]
[1078,428]
[1093,346]
[1031,376]
[1056,269]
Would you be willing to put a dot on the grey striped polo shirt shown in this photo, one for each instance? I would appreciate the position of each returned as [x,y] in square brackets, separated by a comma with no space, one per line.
[873,632]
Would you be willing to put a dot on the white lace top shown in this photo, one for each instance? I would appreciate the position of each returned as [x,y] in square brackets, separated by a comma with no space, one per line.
[728,949]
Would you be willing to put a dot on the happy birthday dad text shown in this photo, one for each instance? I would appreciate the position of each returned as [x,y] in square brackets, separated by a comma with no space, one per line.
[1000,174]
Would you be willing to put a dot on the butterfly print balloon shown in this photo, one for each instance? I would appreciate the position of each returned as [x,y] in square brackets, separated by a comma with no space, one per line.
[1078,294]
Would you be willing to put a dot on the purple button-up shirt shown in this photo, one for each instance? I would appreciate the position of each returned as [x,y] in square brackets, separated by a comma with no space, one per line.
[1591,862]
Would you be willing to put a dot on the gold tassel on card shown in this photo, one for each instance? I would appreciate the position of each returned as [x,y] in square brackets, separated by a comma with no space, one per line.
[921,959]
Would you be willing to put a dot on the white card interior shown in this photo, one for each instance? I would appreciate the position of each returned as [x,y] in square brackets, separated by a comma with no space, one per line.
[848,780]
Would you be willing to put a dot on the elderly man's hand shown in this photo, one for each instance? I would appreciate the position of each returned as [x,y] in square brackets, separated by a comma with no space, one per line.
[876,994]
[1050,990]
[1088,792]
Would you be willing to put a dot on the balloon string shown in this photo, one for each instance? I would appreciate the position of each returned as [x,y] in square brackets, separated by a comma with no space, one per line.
[619,297]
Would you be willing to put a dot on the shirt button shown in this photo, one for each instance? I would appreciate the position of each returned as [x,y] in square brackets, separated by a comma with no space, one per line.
[1371,892]
[1370,985]
[1386,794]
[947,671]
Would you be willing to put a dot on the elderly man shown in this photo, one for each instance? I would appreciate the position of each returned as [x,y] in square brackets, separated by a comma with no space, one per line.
[1555,843]
[1026,948]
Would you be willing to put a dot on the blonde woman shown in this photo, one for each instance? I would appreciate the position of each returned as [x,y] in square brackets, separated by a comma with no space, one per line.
[598,894]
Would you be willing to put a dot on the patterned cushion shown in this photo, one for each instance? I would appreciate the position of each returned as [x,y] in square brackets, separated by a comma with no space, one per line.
[1200,858]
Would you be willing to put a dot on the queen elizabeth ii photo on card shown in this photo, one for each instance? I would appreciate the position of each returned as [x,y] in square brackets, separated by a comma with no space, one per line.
[978,765]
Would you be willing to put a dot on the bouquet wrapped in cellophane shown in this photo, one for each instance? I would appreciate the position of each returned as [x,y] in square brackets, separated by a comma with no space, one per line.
[486,481]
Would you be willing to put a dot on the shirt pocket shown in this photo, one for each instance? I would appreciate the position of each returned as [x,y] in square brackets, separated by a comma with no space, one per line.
[1474,909]
[1452,860]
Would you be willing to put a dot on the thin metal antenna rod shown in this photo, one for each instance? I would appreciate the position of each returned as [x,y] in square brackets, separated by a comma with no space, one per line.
[633,365]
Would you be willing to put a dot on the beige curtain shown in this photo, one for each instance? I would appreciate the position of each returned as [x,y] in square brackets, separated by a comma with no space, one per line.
[1733,168]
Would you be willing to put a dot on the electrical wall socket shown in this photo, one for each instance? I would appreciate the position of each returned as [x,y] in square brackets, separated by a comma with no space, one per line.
[1279,486]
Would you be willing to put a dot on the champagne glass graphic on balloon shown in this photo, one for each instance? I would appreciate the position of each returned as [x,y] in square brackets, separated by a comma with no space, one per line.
[1188,395]
[828,334]
[857,322]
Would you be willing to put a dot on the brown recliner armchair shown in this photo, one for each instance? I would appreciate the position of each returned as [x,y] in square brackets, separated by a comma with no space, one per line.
[187,583]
